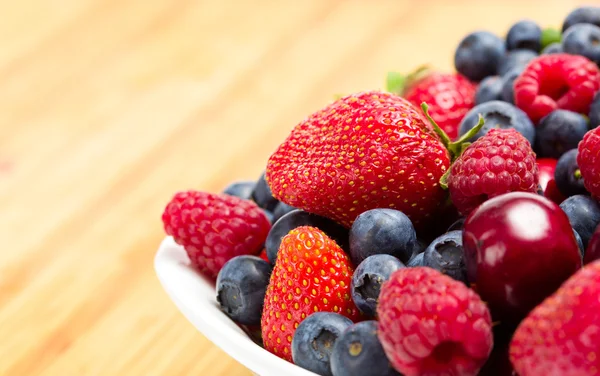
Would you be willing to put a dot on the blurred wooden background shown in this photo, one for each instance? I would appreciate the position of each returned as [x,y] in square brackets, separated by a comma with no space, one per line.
[107,107]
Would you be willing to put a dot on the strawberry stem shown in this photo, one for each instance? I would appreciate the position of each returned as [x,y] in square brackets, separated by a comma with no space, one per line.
[395,82]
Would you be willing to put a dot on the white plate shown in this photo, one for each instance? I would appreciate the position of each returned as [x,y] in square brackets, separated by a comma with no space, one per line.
[195,297]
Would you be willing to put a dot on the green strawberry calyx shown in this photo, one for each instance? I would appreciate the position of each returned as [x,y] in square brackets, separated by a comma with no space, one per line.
[398,83]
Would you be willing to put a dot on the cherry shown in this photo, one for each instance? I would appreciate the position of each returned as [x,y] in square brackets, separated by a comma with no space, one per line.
[592,252]
[519,248]
[546,167]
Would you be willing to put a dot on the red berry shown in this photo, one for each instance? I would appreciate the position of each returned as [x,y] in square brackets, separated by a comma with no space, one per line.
[311,274]
[430,324]
[588,160]
[364,151]
[546,167]
[502,161]
[555,81]
[450,97]
[215,228]
[561,335]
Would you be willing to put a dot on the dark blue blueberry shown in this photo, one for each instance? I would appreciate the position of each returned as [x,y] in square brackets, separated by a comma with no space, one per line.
[525,34]
[458,225]
[554,48]
[314,340]
[515,59]
[446,254]
[419,247]
[478,55]
[241,286]
[590,15]
[584,215]
[281,209]
[594,114]
[558,132]
[490,89]
[297,218]
[241,189]
[498,114]
[269,215]
[567,176]
[382,231]
[368,278]
[358,352]
[584,40]
[416,261]
[508,81]
[263,196]
[579,243]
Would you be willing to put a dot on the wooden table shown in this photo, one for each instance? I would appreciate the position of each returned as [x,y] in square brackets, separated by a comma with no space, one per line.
[109,107]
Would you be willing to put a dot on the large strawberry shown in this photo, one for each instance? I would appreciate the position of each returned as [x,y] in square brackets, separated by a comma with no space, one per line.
[364,151]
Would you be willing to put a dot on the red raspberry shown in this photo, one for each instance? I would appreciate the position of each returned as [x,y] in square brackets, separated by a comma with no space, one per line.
[555,81]
[561,335]
[430,324]
[215,228]
[588,160]
[502,161]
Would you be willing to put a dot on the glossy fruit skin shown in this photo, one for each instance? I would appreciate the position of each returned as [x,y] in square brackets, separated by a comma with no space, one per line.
[280,210]
[314,339]
[489,89]
[358,351]
[519,247]
[382,231]
[559,132]
[367,279]
[525,34]
[389,159]
[557,81]
[588,160]
[297,218]
[430,324]
[241,189]
[564,175]
[579,244]
[515,59]
[312,274]
[546,168]
[263,196]
[449,96]
[584,40]
[554,48]
[588,14]
[478,55]
[508,81]
[446,255]
[241,286]
[584,215]
[498,114]
[416,261]
[592,252]
[560,336]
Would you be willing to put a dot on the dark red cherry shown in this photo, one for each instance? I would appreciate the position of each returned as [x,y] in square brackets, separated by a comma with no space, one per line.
[592,252]
[546,167]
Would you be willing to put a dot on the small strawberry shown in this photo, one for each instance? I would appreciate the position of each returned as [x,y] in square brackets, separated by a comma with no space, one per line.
[502,161]
[588,160]
[561,335]
[215,228]
[431,324]
[364,151]
[311,274]
[450,95]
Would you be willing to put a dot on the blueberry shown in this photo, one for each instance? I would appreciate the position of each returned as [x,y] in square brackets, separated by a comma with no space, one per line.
[594,114]
[358,352]
[579,243]
[416,261]
[583,39]
[559,131]
[498,114]
[525,34]
[368,278]
[478,54]
[490,89]
[241,286]
[554,48]
[263,196]
[515,59]
[584,215]
[419,247]
[297,218]
[241,189]
[446,254]
[590,15]
[280,210]
[458,225]
[382,231]
[314,340]
[508,81]
[567,176]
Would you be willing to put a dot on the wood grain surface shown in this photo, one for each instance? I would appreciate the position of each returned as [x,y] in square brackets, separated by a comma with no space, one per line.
[107,107]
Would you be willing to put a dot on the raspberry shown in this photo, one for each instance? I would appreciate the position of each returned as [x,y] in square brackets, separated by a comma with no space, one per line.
[430,324]
[215,228]
[555,81]
[588,160]
[502,161]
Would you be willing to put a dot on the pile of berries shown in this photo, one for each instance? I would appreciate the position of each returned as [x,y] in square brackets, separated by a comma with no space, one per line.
[440,227]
